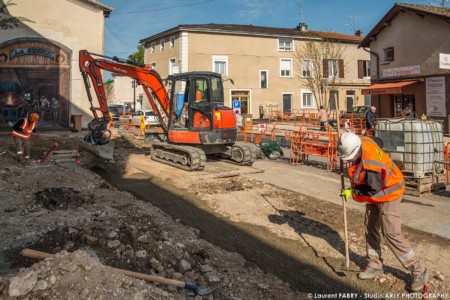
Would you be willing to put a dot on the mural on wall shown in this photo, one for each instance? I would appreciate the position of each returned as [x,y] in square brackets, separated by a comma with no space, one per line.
[34,77]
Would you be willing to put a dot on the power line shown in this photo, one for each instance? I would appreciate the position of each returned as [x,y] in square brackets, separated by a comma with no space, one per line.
[164,8]
[117,37]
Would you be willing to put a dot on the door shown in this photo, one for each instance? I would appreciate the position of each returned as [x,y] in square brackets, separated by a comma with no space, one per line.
[287,103]
[350,100]
[244,98]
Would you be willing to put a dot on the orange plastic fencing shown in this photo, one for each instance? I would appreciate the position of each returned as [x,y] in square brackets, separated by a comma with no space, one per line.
[256,133]
[447,163]
[307,142]
[295,117]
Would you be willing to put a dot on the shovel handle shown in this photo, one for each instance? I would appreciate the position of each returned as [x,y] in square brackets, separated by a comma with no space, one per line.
[42,255]
[344,207]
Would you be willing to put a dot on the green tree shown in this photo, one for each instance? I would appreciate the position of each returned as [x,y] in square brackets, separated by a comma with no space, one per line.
[138,56]
[109,90]
[6,20]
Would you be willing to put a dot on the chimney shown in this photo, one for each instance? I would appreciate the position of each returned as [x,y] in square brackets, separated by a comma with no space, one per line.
[302,27]
[359,32]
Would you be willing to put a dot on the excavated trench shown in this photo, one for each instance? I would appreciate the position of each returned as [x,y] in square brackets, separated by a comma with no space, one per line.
[293,263]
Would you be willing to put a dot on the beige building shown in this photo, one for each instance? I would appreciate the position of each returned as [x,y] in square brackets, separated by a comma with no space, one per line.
[410,49]
[261,61]
[39,69]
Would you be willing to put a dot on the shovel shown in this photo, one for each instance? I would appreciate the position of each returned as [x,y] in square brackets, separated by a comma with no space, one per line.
[347,256]
[209,288]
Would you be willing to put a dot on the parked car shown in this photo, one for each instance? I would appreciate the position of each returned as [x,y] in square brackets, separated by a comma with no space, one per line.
[116,109]
[150,117]
[354,112]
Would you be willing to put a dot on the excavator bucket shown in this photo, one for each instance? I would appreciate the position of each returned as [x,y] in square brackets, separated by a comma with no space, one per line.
[103,151]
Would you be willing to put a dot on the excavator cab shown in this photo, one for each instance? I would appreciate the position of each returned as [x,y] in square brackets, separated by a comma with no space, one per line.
[193,101]
[198,114]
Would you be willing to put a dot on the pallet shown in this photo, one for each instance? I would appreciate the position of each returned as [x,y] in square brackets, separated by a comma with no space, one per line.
[425,186]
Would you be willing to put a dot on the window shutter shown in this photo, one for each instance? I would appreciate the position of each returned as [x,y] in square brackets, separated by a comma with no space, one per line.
[325,68]
[360,69]
[341,68]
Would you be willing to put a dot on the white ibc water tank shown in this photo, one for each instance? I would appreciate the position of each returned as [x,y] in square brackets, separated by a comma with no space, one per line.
[414,145]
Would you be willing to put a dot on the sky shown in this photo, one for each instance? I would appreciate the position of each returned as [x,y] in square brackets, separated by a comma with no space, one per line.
[133,20]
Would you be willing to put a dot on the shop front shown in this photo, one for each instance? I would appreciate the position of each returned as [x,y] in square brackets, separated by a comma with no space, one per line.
[397,99]
[34,77]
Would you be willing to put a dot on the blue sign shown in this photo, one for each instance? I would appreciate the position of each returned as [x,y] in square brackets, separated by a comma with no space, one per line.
[236,104]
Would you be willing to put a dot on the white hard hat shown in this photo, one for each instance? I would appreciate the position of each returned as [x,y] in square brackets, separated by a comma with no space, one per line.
[348,146]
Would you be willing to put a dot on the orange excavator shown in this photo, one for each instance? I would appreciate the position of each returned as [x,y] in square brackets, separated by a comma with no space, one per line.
[191,113]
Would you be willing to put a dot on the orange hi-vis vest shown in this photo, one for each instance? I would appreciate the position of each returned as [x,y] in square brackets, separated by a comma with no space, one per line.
[375,159]
[27,129]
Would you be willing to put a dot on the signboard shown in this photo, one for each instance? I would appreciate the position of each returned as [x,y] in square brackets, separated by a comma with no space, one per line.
[402,71]
[444,61]
[435,95]
[237,106]
[32,51]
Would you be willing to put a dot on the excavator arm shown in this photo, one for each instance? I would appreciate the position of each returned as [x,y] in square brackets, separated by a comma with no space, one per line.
[91,65]
[150,80]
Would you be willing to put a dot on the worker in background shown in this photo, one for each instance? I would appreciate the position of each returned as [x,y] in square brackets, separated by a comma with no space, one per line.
[370,120]
[184,115]
[21,134]
[409,111]
[323,118]
[198,94]
[378,182]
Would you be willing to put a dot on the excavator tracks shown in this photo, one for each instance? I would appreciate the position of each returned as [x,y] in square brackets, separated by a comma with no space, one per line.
[242,154]
[183,157]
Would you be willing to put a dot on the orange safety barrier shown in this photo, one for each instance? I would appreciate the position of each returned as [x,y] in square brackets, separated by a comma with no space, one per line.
[446,163]
[306,143]
[256,133]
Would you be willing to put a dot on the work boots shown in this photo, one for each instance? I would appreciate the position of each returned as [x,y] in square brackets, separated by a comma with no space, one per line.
[419,281]
[370,273]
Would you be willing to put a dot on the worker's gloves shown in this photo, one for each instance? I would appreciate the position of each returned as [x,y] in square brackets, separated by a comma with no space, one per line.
[347,193]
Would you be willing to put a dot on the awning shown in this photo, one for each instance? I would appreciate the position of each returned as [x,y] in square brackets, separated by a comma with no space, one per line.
[386,88]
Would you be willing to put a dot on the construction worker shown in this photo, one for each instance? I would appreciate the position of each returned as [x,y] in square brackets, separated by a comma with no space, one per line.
[198,94]
[21,134]
[378,182]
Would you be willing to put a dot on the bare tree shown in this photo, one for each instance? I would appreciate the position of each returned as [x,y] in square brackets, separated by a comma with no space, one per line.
[320,64]
[7,21]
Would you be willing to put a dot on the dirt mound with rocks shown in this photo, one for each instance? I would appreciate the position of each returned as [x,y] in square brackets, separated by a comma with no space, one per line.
[77,275]
[62,198]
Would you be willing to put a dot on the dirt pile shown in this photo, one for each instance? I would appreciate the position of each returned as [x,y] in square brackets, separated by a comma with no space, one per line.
[77,276]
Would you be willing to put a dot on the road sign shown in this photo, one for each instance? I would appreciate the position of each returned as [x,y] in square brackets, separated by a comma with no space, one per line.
[236,104]
[237,111]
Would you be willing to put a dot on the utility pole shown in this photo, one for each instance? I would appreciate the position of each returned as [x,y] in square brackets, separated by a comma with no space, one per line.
[133,84]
